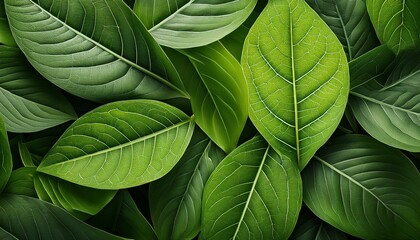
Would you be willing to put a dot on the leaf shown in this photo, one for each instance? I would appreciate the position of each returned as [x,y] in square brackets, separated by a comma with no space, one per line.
[310,227]
[350,22]
[396,23]
[177,213]
[29,218]
[192,23]
[98,50]
[364,188]
[254,193]
[80,201]
[6,235]
[6,162]
[29,103]
[122,216]
[391,113]
[217,87]
[5,34]
[297,77]
[21,182]
[120,145]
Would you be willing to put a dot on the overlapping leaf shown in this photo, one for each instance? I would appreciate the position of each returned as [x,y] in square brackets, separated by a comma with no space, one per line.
[177,213]
[350,21]
[298,78]
[5,34]
[28,102]
[396,22]
[192,23]
[98,50]
[364,188]
[6,162]
[28,218]
[21,182]
[120,145]
[254,193]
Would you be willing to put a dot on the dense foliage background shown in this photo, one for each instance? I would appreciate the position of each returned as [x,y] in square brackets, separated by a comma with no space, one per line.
[209,119]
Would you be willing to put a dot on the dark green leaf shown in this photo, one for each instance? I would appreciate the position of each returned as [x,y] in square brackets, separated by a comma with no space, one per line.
[120,145]
[6,162]
[21,182]
[254,193]
[5,34]
[364,188]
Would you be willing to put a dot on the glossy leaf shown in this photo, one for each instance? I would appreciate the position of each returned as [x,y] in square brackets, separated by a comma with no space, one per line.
[21,182]
[254,193]
[177,213]
[391,113]
[122,216]
[6,162]
[298,78]
[28,102]
[218,93]
[97,50]
[29,218]
[192,23]
[364,188]
[350,21]
[79,200]
[396,22]
[120,145]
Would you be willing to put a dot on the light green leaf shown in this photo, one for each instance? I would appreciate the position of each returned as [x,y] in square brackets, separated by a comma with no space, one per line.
[218,91]
[6,162]
[298,78]
[391,113]
[177,213]
[120,145]
[28,102]
[5,34]
[396,22]
[309,227]
[122,216]
[29,218]
[21,182]
[364,188]
[349,20]
[80,201]
[254,193]
[192,23]
[98,50]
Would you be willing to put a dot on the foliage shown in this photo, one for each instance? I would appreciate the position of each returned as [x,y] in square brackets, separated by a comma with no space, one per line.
[209,119]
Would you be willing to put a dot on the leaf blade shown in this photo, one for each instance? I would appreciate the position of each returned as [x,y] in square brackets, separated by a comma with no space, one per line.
[6,162]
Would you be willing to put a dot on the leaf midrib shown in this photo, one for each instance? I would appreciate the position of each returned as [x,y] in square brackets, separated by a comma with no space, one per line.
[344,32]
[125,60]
[171,16]
[138,140]
[295,101]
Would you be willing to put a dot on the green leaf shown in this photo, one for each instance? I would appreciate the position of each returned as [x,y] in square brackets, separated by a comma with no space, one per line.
[98,50]
[122,216]
[298,78]
[6,235]
[364,188]
[28,102]
[217,87]
[5,34]
[81,201]
[21,182]
[177,213]
[6,162]
[310,227]
[391,113]
[192,23]
[120,145]
[396,22]
[254,193]
[350,22]
[29,218]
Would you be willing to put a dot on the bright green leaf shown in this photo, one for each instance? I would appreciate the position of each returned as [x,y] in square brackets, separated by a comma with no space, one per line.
[254,193]
[6,36]
[298,78]
[98,50]
[28,102]
[192,23]
[29,218]
[396,22]
[120,145]
[6,162]
[350,21]
[177,213]
[364,188]
[21,182]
